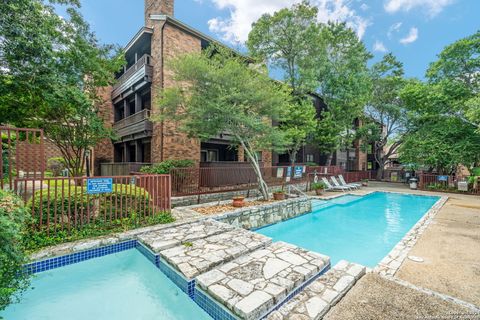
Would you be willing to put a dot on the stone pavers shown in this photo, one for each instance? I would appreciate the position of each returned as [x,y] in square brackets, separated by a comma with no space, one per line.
[253,284]
[319,296]
[177,235]
[199,256]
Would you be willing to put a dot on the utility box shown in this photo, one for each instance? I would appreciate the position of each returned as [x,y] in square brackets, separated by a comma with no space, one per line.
[462,186]
[413,183]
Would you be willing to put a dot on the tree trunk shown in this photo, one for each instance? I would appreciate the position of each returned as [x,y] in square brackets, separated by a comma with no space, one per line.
[262,185]
[293,157]
[380,172]
[329,159]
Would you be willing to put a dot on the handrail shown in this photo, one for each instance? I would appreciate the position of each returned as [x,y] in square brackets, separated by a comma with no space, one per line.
[144,60]
[132,119]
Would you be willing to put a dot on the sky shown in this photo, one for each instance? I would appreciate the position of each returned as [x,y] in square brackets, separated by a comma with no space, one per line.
[414,30]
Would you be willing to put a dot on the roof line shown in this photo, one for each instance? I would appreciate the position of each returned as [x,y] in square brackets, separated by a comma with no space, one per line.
[137,36]
[193,31]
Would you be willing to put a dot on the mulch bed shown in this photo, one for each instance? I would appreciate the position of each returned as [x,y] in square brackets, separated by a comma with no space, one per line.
[228,207]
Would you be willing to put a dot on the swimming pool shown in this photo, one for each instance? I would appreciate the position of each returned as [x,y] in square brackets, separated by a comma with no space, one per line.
[358,229]
[122,285]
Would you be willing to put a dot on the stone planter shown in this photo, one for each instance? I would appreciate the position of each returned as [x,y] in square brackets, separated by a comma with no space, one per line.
[238,202]
[279,195]
[319,192]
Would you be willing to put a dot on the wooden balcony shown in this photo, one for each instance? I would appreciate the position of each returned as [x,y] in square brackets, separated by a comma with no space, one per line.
[135,77]
[135,126]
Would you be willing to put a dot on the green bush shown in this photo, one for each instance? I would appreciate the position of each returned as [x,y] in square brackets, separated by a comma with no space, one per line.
[76,208]
[165,166]
[13,220]
[319,185]
[476,171]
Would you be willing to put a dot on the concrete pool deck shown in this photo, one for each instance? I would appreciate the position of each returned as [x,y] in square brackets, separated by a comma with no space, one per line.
[450,249]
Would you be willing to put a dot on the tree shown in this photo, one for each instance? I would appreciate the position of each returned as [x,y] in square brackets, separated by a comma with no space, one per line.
[385,114]
[443,123]
[51,69]
[458,69]
[299,123]
[287,40]
[216,92]
[343,82]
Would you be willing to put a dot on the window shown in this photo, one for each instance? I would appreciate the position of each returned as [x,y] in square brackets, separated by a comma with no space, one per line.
[310,158]
[209,156]
[370,149]
[259,156]
[370,165]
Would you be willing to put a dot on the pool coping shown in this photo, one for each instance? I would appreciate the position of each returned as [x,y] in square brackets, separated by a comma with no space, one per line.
[392,262]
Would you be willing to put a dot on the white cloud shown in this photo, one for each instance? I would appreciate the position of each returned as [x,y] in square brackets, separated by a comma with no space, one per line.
[379,46]
[411,37]
[243,13]
[433,7]
[364,6]
[394,28]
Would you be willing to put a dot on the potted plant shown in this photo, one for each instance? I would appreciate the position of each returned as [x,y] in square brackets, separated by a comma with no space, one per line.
[318,187]
[365,182]
[279,195]
[238,201]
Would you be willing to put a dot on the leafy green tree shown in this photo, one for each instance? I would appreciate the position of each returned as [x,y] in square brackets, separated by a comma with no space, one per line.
[445,109]
[343,82]
[217,92]
[385,114]
[458,69]
[50,71]
[298,125]
[287,40]
[13,220]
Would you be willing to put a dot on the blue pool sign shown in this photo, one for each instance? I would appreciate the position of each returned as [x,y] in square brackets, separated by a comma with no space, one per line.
[298,172]
[442,178]
[99,185]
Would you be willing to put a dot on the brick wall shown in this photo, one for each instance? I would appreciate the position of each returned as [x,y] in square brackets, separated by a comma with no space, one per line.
[157,7]
[167,141]
[103,151]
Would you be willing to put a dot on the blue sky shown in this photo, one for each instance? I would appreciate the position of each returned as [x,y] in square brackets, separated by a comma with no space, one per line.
[414,30]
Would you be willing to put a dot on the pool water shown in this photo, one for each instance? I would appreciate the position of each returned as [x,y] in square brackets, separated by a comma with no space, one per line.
[357,229]
[123,285]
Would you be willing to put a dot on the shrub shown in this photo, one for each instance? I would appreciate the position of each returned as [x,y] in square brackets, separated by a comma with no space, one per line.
[13,219]
[76,208]
[319,185]
[165,166]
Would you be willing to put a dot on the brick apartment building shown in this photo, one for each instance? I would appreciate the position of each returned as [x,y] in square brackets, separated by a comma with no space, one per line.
[129,103]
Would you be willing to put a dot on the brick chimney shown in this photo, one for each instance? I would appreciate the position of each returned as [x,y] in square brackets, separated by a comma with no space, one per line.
[156,7]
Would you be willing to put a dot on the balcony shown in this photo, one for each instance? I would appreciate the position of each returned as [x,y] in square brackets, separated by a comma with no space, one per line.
[135,126]
[135,77]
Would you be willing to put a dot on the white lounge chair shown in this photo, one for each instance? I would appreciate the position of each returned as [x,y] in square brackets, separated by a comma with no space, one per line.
[338,185]
[330,187]
[343,183]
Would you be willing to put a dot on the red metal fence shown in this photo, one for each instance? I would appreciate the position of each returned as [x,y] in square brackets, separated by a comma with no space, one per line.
[437,182]
[21,150]
[64,203]
[195,181]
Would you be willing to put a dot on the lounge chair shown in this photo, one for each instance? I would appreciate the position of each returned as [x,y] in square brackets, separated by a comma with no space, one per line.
[330,187]
[343,183]
[338,185]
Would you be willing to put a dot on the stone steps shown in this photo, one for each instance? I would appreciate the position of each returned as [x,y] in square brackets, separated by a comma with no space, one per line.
[322,294]
[170,237]
[253,284]
[194,258]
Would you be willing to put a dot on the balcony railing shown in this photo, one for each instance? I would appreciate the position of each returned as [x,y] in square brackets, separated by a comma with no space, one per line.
[137,122]
[141,69]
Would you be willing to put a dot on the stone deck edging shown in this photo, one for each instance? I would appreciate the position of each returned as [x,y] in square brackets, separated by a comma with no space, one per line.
[322,294]
[392,262]
[266,214]
[251,285]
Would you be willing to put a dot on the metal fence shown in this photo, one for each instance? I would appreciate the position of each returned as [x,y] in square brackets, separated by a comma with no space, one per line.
[449,183]
[195,181]
[64,203]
